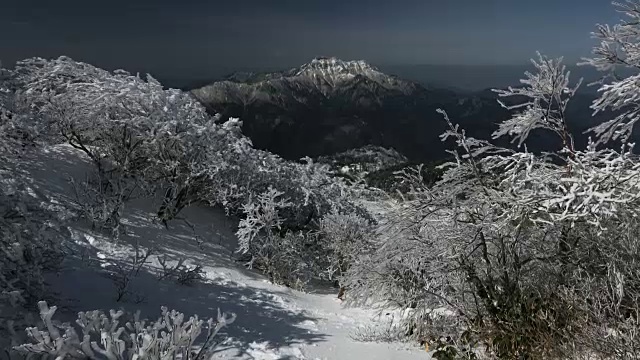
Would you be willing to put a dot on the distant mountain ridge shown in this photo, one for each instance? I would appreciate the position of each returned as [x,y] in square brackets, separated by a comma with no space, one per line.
[329,105]
[326,76]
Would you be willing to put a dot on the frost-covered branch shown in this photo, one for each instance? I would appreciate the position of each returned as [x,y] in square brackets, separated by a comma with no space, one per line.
[619,47]
[546,94]
[478,241]
[108,336]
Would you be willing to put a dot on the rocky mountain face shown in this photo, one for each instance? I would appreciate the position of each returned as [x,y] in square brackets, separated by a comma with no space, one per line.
[328,106]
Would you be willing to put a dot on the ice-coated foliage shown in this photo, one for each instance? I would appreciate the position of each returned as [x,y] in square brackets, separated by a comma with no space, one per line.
[345,236]
[309,187]
[113,337]
[284,256]
[618,48]
[262,216]
[143,137]
[147,141]
[547,92]
[138,135]
[534,255]
[31,242]
[292,257]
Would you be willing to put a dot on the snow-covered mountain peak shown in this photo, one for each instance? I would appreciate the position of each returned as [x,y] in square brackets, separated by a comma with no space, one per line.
[334,68]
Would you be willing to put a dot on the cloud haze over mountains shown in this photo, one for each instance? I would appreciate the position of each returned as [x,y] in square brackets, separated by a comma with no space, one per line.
[202,39]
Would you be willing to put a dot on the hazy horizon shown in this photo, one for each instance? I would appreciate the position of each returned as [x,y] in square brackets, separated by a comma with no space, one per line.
[458,77]
[197,39]
[463,77]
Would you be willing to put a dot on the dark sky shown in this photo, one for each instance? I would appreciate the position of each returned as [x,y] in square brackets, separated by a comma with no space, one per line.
[196,38]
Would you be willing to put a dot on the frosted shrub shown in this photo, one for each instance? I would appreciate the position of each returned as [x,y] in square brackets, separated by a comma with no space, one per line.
[261,218]
[145,139]
[310,188]
[345,237]
[279,202]
[101,198]
[30,239]
[293,257]
[139,136]
[123,272]
[30,246]
[287,226]
[111,336]
[532,255]
[190,157]
[281,255]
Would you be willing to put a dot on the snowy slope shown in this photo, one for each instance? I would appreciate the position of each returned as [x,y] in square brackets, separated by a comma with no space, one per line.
[274,322]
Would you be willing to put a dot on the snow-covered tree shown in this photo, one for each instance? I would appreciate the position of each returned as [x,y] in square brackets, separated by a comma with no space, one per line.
[323,249]
[618,48]
[534,254]
[188,160]
[140,136]
[548,94]
[345,236]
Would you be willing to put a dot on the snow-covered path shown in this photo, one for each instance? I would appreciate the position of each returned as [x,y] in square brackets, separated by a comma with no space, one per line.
[274,322]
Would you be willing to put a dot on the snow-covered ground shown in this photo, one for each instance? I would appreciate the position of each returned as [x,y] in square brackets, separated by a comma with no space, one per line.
[274,322]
